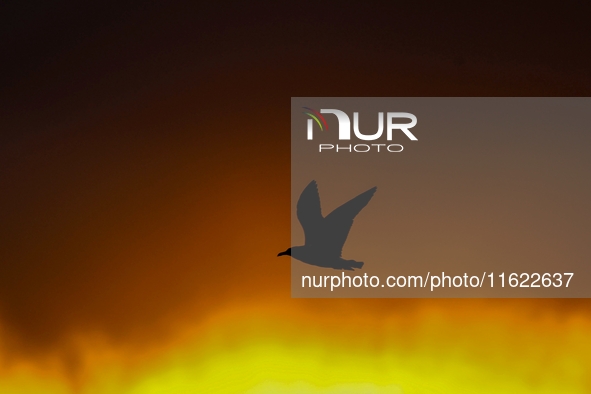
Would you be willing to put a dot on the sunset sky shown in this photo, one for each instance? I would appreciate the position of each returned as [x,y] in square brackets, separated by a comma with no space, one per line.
[145,194]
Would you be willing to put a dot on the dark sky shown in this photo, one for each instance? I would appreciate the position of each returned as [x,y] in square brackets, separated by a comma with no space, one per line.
[136,136]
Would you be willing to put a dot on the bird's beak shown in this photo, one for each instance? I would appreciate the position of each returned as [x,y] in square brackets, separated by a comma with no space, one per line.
[281,254]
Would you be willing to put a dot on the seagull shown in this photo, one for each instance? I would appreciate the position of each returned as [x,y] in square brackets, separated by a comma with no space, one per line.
[325,236]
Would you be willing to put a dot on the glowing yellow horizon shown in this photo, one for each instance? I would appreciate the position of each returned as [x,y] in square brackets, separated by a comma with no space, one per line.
[265,351]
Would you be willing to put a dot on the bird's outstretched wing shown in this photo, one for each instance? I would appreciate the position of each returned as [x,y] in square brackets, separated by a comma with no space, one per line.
[337,224]
[310,214]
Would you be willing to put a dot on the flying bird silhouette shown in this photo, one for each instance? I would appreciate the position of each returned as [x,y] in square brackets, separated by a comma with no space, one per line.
[325,236]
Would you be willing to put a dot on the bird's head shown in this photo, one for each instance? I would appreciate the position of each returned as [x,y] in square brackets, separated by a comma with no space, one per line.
[286,253]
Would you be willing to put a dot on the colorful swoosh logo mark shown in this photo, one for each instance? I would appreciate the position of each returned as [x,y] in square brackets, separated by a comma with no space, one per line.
[317,117]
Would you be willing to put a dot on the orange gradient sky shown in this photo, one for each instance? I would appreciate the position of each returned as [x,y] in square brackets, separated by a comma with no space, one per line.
[145,194]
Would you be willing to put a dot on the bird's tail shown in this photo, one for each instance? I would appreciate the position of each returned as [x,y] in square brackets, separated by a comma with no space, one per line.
[356,264]
[349,265]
